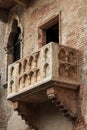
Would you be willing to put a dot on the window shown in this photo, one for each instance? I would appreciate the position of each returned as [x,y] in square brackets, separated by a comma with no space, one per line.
[16,46]
[49,31]
[52,34]
[13,49]
[14,43]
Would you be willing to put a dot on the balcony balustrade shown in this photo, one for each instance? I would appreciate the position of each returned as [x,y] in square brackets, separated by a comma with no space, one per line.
[51,63]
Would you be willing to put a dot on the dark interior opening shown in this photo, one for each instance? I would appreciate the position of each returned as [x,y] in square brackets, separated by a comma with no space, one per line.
[52,34]
[16,45]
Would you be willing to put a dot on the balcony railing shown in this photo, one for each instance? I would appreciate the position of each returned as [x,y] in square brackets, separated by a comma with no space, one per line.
[53,62]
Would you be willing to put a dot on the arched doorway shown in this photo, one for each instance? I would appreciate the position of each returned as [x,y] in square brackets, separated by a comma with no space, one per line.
[13,44]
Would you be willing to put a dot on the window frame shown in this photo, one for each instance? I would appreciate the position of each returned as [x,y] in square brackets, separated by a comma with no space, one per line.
[47,24]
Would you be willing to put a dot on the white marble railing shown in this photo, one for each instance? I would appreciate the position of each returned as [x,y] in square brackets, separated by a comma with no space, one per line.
[51,62]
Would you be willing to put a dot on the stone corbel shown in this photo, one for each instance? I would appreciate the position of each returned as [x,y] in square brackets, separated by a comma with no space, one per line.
[65,100]
[27,113]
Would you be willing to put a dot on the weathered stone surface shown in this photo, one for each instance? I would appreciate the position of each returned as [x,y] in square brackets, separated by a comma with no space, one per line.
[51,62]
[73,33]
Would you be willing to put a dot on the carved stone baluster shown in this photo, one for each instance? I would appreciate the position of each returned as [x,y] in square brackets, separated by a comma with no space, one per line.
[23,66]
[21,83]
[35,76]
[66,56]
[30,62]
[34,65]
[29,82]
[31,77]
[43,72]
[43,55]
[38,76]
[37,59]
[12,87]
[8,87]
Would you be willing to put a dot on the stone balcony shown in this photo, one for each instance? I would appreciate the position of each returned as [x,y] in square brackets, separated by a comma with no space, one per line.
[53,64]
[48,74]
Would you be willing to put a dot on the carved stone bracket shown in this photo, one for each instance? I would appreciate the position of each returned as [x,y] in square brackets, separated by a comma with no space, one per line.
[27,112]
[62,98]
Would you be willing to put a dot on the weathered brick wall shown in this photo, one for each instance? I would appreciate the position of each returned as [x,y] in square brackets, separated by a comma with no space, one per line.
[73,25]
[3,117]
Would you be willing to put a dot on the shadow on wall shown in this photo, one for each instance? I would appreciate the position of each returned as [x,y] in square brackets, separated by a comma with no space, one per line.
[16,123]
[52,119]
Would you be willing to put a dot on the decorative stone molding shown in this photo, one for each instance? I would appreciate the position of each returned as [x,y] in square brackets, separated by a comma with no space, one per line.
[52,62]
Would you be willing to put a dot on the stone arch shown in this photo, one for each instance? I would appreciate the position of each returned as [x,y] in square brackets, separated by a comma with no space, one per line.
[62,55]
[14,41]
[62,70]
[13,23]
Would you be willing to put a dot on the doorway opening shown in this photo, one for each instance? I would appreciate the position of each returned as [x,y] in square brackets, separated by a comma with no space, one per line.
[49,31]
[16,46]
[52,34]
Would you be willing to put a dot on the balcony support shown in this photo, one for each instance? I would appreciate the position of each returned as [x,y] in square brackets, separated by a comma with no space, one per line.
[66,100]
[28,113]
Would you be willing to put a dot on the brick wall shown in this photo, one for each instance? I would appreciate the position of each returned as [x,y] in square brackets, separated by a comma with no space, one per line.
[73,32]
